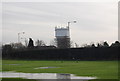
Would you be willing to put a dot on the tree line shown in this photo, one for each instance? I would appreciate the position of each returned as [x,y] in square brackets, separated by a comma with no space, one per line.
[41,43]
[89,52]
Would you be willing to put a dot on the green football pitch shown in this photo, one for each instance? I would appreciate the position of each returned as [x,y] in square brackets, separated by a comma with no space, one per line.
[99,69]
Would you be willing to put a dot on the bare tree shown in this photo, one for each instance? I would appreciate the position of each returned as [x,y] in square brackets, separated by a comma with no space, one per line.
[106,44]
[17,45]
[103,44]
[116,44]
[100,44]
[84,45]
[26,43]
[92,44]
[53,42]
[76,45]
[40,43]
[88,46]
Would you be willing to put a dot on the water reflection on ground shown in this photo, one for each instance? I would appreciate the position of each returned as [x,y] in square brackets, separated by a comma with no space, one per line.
[45,76]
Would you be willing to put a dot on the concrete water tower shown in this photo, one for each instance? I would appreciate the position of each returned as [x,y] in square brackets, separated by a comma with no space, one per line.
[63,36]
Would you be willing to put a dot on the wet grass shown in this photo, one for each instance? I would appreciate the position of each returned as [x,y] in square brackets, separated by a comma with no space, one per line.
[99,69]
[104,80]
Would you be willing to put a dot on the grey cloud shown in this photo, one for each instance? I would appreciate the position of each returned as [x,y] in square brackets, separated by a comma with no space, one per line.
[94,18]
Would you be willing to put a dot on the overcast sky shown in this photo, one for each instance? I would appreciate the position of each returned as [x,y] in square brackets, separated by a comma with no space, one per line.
[96,21]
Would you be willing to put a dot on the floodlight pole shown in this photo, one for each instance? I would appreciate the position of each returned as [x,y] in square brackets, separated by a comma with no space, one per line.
[68,25]
[19,36]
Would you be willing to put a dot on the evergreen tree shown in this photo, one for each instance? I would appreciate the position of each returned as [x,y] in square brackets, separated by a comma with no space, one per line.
[30,44]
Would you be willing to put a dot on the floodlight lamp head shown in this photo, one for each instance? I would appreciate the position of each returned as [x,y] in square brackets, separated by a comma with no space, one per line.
[74,21]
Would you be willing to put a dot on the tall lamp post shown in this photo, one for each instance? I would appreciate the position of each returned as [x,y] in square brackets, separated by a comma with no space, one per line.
[68,25]
[19,36]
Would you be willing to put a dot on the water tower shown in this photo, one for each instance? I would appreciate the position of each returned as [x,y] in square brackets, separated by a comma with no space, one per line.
[62,35]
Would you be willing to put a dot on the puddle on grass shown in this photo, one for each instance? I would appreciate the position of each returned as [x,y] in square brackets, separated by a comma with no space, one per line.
[45,67]
[40,75]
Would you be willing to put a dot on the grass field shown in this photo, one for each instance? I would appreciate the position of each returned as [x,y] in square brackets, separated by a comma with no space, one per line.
[99,69]
[19,79]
